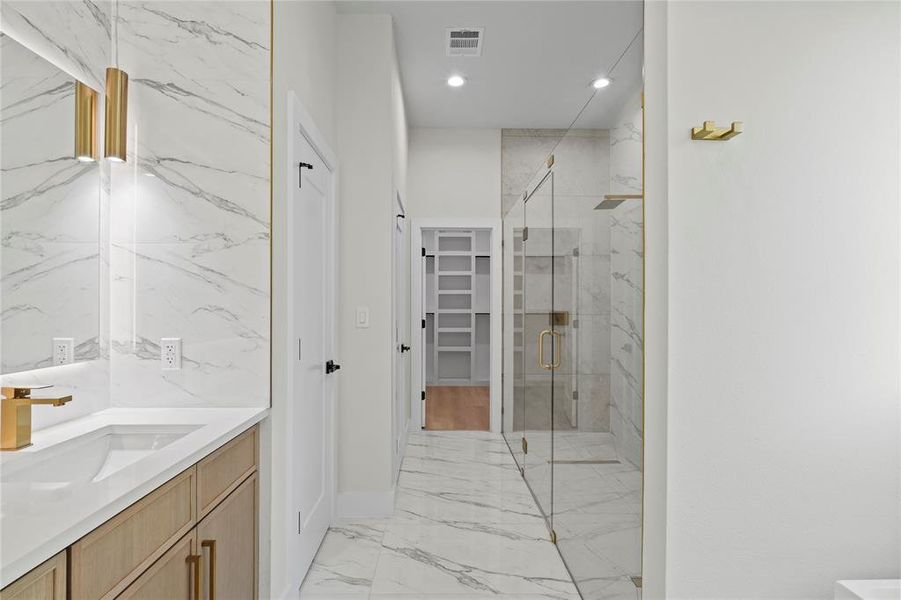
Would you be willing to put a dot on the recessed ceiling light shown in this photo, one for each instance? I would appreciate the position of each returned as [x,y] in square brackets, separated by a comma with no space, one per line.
[455,81]
[600,82]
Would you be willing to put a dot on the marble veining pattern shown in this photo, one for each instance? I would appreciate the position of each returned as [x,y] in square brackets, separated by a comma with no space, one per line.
[465,526]
[49,215]
[626,292]
[190,222]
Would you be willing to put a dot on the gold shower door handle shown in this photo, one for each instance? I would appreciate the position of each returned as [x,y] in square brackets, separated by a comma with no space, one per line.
[541,362]
[558,349]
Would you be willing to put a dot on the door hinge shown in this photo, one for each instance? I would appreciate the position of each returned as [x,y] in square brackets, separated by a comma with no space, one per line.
[423,251]
[575,252]
[525,446]
[525,233]
[423,323]
[553,536]
[300,167]
[575,394]
[423,395]
[575,323]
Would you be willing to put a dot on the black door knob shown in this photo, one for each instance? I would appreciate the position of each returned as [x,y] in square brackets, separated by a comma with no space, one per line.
[331,366]
[404,348]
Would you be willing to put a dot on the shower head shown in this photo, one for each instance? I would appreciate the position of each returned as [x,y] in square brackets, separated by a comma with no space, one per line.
[611,201]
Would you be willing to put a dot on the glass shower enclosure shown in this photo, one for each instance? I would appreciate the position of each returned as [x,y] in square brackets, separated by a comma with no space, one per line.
[573,350]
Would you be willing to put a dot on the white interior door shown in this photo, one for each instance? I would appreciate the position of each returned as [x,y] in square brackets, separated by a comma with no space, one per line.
[400,342]
[423,336]
[311,260]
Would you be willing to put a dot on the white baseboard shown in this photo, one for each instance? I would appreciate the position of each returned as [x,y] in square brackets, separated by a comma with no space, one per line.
[354,505]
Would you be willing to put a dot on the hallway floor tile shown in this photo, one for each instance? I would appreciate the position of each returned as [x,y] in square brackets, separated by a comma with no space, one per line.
[465,526]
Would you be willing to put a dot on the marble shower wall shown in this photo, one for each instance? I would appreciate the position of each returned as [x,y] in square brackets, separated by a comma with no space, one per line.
[626,286]
[582,267]
[55,211]
[190,209]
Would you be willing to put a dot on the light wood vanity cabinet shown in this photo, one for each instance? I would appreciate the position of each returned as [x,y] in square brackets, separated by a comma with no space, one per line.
[46,582]
[172,576]
[193,538]
[228,538]
[109,558]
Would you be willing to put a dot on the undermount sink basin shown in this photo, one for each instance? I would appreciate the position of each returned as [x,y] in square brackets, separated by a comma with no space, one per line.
[91,457]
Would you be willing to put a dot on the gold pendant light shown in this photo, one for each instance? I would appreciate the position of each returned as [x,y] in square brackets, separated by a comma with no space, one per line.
[116,130]
[85,123]
[115,134]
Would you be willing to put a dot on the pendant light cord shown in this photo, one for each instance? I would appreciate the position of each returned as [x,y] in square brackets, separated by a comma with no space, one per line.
[116,34]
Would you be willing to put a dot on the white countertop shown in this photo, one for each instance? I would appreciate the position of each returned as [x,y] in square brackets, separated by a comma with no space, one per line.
[39,519]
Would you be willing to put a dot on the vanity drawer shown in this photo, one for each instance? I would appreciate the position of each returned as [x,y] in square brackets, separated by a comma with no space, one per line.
[171,577]
[45,582]
[222,471]
[107,560]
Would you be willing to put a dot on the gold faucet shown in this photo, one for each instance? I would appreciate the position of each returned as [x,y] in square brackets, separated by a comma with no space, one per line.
[15,414]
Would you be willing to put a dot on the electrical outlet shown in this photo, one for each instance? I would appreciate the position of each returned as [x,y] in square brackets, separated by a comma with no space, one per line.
[170,354]
[63,351]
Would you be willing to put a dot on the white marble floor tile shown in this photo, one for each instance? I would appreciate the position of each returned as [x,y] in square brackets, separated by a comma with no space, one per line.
[472,559]
[466,526]
[346,561]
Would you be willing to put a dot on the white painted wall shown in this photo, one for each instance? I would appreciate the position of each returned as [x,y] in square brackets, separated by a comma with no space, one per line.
[783,350]
[371,133]
[455,173]
[304,60]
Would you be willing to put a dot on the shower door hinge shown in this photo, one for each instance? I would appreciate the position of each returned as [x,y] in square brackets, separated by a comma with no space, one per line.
[423,251]
[525,233]
[575,252]
[422,397]
[525,446]
[423,323]
[553,536]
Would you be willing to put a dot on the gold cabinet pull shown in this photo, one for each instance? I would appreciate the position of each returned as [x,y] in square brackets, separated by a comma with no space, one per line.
[194,560]
[558,349]
[211,544]
[541,362]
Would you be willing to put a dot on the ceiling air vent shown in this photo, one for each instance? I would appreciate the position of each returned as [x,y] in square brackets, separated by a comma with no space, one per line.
[464,41]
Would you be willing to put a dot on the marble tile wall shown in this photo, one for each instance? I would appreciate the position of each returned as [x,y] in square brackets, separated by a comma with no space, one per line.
[626,292]
[49,216]
[55,211]
[190,214]
[184,224]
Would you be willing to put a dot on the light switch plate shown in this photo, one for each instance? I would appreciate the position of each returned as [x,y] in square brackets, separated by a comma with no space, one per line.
[362,318]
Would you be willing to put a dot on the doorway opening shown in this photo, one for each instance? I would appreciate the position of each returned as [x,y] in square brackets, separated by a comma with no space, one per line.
[457,301]
[456,306]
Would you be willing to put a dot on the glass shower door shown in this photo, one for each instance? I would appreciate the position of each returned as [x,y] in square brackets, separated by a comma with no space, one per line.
[514,361]
[541,348]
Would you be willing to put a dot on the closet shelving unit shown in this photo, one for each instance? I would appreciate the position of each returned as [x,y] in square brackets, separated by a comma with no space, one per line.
[458,274]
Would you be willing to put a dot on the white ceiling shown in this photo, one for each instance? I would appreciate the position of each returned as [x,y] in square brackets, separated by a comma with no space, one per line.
[537,64]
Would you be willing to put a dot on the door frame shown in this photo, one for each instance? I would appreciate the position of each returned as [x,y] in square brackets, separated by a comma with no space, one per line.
[298,117]
[495,339]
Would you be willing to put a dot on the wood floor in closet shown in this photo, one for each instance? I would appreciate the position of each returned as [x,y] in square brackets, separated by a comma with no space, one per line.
[457,408]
